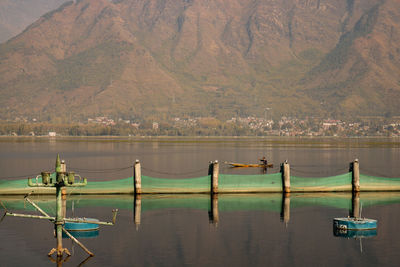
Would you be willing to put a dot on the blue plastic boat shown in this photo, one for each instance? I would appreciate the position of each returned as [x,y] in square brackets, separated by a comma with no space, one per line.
[355,223]
[82,234]
[89,225]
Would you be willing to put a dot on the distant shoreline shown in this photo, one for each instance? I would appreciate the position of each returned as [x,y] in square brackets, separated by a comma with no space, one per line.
[273,140]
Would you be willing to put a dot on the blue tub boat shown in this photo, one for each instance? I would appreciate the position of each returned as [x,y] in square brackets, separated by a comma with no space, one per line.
[89,225]
[82,234]
[354,223]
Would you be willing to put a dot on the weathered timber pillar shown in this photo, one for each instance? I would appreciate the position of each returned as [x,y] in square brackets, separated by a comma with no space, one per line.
[285,170]
[285,208]
[137,177]
[137,210]
[214,177]
[355,177]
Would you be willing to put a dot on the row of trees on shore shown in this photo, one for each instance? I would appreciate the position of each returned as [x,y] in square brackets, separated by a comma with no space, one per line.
[206,128]
[120,129]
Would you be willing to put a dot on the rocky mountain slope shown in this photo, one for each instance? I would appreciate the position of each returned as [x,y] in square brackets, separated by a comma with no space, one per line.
[222,58]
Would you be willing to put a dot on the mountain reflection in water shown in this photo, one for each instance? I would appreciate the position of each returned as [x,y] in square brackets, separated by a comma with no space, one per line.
[198,230]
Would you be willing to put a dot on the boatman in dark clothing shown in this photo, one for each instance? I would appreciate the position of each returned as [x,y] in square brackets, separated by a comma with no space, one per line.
[264,161]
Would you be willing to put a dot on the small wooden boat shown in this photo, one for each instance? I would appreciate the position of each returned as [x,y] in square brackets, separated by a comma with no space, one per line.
[241,165]
[355,223]
[89,225]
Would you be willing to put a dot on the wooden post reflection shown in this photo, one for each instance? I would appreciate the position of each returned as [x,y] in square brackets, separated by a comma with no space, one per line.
[213,214]
[285,208]
[137,210]
[355,205]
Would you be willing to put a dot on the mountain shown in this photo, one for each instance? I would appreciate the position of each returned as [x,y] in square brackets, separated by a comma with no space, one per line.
[15,15]
[361,74]
[221,58]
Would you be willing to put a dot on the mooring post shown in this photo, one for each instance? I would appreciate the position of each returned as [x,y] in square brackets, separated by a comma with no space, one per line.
[285,170]
[137,177]
[355,169]
[214,177]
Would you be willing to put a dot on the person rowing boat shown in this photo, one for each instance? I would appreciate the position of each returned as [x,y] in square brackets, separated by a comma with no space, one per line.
[264,161]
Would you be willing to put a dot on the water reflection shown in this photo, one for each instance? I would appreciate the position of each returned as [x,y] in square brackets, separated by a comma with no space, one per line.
[213,214]
[137,210]
[214,203]
[354,233]
[83,234]
[147,212]
[285,208]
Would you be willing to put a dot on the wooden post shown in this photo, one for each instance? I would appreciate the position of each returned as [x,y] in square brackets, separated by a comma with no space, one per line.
[285,170]
[355,169]
[214,177]
[137,177]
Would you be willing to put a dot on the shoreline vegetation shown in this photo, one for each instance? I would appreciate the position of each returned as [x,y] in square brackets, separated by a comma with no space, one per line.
[207,128]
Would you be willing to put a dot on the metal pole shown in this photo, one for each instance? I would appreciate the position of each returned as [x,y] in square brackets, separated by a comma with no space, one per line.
[37,207]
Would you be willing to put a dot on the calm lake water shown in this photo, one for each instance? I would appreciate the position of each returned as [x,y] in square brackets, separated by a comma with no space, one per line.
[247,230]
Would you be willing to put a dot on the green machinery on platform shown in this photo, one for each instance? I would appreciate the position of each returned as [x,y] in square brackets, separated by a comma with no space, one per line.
[60,180]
